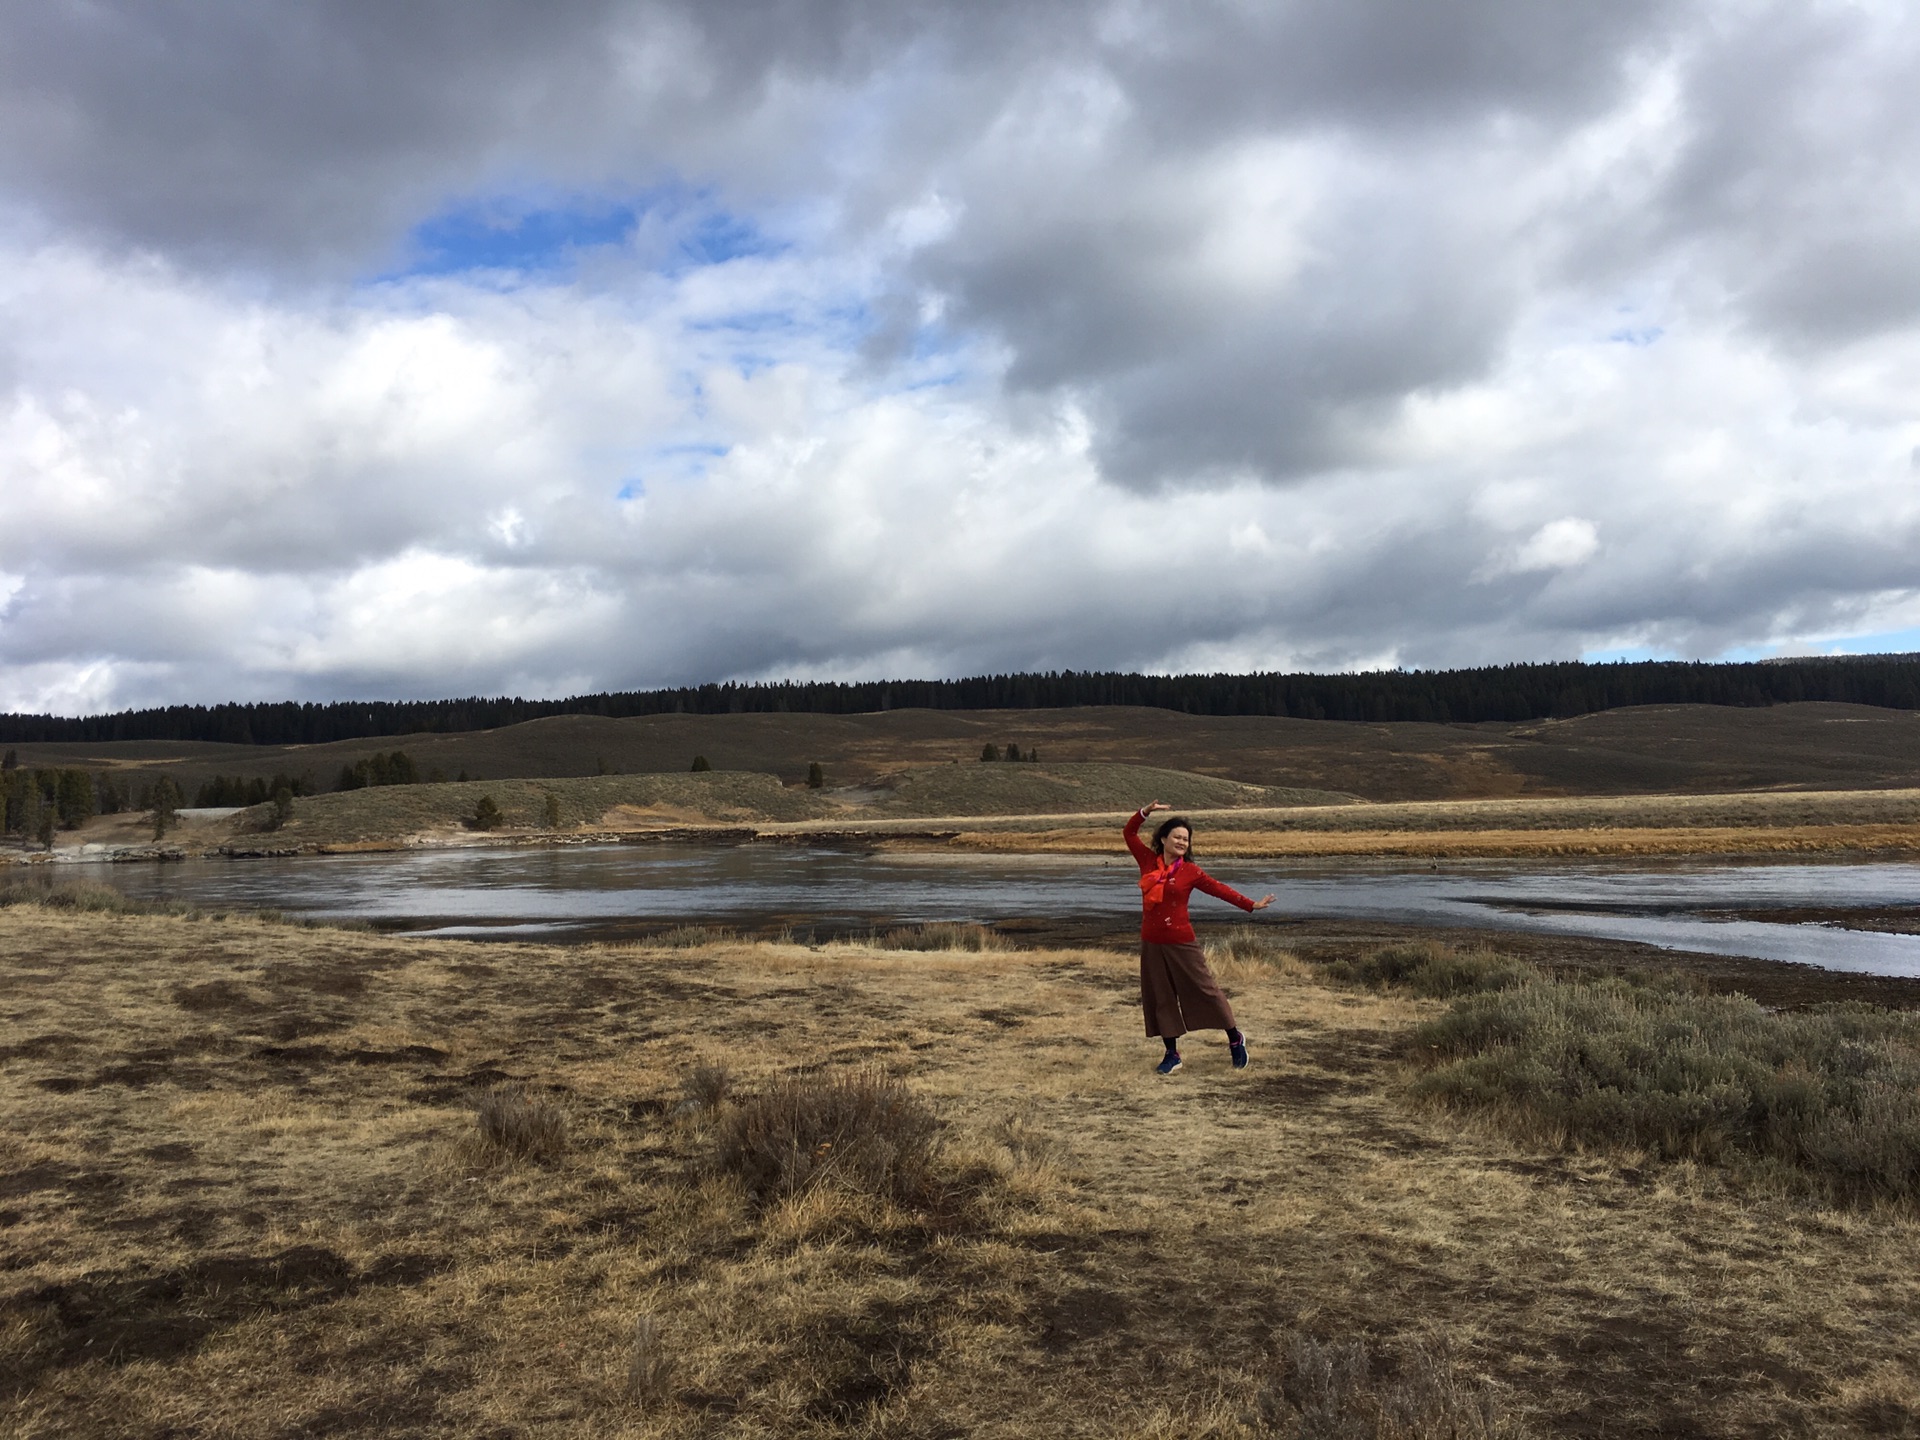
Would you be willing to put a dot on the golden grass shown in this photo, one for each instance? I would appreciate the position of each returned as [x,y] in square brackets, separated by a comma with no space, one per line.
[1487,844]
[240,1197]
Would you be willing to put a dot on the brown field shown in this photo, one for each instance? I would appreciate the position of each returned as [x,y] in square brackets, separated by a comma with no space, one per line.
[1639,750]
[1013,808]
[243,1193]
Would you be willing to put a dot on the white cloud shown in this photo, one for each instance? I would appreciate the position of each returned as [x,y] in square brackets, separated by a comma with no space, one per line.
[1558,545]
[1057,335]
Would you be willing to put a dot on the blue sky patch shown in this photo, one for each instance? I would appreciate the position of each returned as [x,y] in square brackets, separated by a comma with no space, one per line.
[539,236]
[483,235]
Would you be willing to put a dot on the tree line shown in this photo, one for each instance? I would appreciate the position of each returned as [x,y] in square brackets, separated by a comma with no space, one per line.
[34,802]
[1502,692]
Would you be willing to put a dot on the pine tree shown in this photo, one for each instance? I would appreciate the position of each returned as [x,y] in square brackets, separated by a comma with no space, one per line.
[989,751]
[282,805]
[553,811]
[816,775]
[32,810]
[73,797]
[486,814]
[164,800]
[700,764]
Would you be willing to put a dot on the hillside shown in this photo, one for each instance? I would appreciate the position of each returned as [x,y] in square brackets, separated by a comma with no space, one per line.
[1645,750]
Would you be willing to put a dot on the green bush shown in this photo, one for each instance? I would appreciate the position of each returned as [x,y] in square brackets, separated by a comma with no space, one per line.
[1832,1094]
[486,814]
[1433,969]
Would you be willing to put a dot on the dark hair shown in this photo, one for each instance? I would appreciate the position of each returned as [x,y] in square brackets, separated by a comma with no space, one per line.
[1168,826]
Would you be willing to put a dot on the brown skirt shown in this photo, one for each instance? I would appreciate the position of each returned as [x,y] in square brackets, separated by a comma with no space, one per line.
[1178,991]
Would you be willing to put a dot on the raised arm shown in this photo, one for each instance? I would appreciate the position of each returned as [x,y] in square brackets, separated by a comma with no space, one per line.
[1140,850]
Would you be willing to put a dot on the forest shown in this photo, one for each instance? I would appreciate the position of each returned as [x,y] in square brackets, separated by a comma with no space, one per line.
[1503,693]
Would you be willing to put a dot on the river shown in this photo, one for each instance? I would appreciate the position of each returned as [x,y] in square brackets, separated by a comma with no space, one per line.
[574,892]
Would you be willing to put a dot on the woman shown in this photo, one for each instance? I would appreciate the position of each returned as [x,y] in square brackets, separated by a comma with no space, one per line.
[1177,989]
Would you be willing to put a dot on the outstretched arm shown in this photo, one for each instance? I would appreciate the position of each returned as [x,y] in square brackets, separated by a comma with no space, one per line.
[1227,893]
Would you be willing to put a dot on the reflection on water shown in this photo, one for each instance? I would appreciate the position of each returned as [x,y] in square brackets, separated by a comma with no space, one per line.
[549,892]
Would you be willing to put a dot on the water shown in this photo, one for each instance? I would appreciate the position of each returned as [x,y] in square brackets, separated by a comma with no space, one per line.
[561,892]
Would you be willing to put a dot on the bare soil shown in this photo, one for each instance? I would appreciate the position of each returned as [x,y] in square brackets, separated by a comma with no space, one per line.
[241,1194]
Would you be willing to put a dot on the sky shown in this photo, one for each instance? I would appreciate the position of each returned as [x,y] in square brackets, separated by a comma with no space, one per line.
[357,350]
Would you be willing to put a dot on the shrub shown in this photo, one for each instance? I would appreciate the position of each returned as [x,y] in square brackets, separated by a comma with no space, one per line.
[863,1132]
[1434,969]
[486,814]
[84,897]
[709,1085]
[650,1366]
[551,811]
[700,764]
[1247,944]
[517,1126]
[1344,1390]
[690,937]
[945,935]
[1831,1094]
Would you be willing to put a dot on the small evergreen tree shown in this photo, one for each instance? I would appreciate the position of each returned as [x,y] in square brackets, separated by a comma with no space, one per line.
[112,795]
[282,805]
[486,814]
[1013,752]
[553,811]
[164,800]
[700,764]
[73,798]
[989,751]
[32,810]
[816,775]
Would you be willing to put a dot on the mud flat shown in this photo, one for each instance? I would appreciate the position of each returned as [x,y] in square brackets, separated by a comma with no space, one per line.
[244,1191]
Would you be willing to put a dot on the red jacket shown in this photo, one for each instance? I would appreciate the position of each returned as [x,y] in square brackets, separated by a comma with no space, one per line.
[1164,919]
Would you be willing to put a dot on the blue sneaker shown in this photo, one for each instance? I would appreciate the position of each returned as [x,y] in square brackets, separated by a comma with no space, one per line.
[1238,1050]
[1169,1064]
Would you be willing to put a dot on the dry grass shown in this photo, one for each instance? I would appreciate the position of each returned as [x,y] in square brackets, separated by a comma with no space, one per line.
[239,1197]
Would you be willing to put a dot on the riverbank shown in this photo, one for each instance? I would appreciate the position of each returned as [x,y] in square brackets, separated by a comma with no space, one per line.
[731,809]
[245,1192]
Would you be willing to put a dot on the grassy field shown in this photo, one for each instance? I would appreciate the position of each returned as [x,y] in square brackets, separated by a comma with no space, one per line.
[267,1180]
[1641,750]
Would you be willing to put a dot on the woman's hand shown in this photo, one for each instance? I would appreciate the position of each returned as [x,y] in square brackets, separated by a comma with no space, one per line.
[1153,805]
[1263,902]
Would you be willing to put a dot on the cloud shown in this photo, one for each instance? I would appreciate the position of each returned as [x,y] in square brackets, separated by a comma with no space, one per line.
[442,348]
[1558,545]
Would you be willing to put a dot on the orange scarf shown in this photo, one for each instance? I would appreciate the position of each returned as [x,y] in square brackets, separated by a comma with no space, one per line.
[1153,883]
